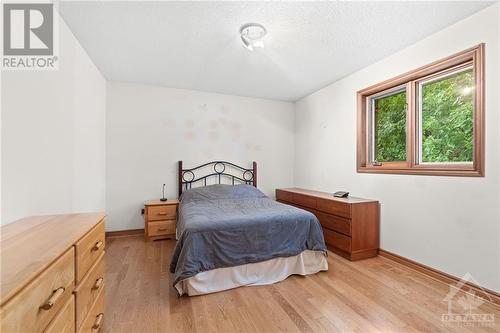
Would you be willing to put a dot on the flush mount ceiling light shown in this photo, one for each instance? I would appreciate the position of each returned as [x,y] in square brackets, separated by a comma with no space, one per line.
[252,35]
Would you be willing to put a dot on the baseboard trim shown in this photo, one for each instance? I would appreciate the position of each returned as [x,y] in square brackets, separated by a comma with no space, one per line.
[124,233]
[468,287]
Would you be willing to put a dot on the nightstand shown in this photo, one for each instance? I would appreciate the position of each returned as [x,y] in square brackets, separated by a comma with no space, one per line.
[160,219]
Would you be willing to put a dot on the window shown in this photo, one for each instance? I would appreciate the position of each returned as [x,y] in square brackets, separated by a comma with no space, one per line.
[446,118]
[388,131]
[428,121]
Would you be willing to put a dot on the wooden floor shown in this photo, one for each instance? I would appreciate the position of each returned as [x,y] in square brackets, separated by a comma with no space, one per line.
[374,295]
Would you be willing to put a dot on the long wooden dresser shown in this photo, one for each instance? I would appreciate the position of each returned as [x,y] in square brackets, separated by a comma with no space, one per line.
[350,225]
[52,274]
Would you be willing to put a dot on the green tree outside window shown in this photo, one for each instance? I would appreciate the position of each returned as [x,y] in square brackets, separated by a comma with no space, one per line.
[447,119]
[390,127]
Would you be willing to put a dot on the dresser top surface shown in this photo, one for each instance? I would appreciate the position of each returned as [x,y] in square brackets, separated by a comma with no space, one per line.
[326,195]
[30,245]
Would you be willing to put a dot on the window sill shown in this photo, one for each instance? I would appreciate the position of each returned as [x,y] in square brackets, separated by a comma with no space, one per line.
[427,171]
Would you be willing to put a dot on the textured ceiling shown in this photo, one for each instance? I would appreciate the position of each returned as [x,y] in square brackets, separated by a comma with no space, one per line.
[195,45]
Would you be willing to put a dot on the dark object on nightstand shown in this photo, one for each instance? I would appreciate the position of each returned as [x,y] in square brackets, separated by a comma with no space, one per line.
[163,194]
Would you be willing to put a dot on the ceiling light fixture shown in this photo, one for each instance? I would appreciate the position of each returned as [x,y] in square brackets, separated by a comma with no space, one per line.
[252,35]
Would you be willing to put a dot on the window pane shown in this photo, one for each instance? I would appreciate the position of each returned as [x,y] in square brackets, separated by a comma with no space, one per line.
[389,129]
[447,119]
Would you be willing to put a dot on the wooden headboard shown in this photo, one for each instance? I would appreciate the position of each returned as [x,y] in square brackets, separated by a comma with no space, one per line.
[218,170]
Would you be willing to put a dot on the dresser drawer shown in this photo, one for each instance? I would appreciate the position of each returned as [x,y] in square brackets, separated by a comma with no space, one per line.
[95,317]
[337,240]
[88,249]
[283,196]
[162,212]
[334,223]
[87,291]
[334,207]
[310,210]
[32,309]
[304,200]
[161,228]
[65,319]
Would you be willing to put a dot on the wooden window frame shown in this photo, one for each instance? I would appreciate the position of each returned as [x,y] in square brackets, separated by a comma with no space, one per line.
[471,57]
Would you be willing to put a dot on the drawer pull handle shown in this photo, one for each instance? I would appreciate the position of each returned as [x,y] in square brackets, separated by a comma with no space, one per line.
[163,229]
[97,245]
[53,299]
[98,321]
[98,283]
[162,213]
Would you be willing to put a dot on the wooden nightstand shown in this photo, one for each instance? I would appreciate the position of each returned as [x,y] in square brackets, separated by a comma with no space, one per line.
[160,219]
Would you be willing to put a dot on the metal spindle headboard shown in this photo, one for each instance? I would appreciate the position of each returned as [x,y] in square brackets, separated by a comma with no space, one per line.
[187,177]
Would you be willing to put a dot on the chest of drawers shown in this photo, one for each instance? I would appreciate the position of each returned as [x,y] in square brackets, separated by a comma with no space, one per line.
[350,225]
[52,274]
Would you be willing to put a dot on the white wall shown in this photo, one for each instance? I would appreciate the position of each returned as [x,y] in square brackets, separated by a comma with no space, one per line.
[149,129]
[53,141]
[449,223]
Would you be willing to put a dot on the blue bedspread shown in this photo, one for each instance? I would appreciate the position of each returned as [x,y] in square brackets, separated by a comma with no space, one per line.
[224,226]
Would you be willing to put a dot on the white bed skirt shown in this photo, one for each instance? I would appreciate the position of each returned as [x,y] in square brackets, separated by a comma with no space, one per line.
[261,273]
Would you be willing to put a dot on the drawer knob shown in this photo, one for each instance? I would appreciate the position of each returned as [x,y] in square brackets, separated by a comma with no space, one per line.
[98,283]
[97,245]
[49,304]
[98,321]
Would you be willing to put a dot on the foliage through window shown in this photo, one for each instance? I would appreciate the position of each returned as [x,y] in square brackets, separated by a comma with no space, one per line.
[389,131]
[428,121]
[447,118]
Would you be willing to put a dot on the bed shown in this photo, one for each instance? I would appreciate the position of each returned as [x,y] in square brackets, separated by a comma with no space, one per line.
[230,234]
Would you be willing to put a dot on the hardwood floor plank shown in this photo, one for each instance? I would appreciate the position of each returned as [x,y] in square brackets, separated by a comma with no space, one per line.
[395,299]
[382,319]
[297,319]
[373,295]
[327,325]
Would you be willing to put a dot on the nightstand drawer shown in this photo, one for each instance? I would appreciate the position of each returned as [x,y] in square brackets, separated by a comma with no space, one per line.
[162,212]
[161,228]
